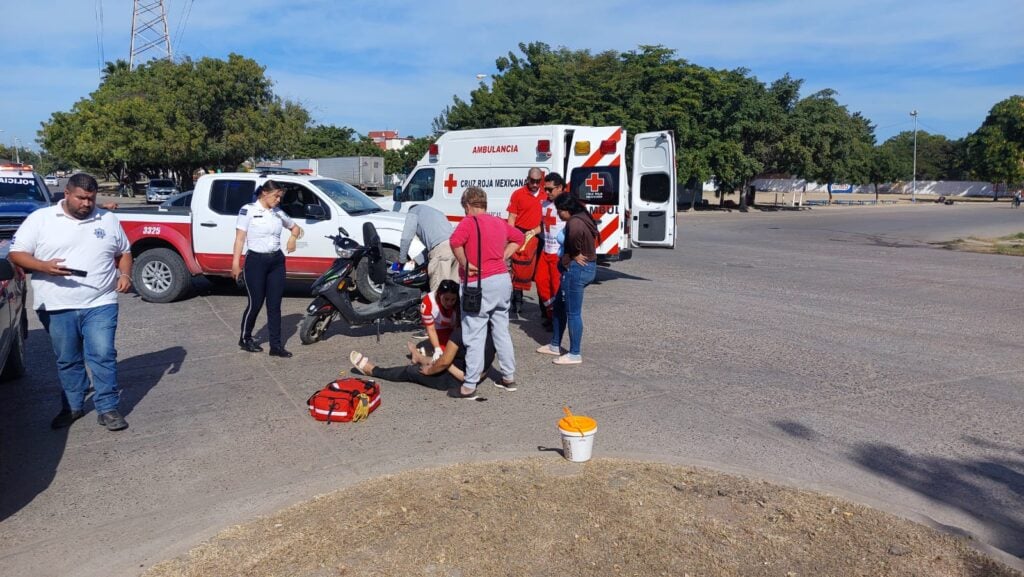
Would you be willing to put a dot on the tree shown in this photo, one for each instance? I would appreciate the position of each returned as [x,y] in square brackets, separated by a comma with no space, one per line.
[837,144]
[177,117]
[885,167]
[995,152]
[936,155]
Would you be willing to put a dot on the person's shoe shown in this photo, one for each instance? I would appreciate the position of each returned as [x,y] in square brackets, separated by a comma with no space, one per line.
[65,417]
[568,359]
[549,350]
[507,385]
[249,345]
[280,352]
[112,420]
[456,393]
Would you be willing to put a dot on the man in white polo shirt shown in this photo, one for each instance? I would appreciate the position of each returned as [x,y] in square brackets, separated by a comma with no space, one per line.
[79,259]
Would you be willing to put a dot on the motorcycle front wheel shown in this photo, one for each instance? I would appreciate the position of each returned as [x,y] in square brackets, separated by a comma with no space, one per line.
[314,325]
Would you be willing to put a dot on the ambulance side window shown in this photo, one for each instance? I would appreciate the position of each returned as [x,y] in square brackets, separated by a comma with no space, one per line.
[421,186]
[655,188]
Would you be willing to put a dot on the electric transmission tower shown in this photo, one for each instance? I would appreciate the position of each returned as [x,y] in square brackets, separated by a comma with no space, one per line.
[149,31]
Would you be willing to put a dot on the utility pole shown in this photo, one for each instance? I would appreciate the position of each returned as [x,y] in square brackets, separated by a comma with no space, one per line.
[149,31]
[913,191]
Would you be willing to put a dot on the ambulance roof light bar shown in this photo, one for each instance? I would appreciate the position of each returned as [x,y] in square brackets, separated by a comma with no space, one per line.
[544,148]
[434,151]
[607,147]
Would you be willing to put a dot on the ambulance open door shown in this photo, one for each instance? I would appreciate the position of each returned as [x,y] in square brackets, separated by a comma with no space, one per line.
[653,190]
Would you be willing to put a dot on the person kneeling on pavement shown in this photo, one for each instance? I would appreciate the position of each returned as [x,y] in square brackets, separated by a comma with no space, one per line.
[445,373]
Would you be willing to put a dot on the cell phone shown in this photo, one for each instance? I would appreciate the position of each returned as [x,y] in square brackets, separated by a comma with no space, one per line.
[75,271]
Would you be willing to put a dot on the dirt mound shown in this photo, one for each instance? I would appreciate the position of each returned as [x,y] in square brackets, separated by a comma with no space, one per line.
[607,517]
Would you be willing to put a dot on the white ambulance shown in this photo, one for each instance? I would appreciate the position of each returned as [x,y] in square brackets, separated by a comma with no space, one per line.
[630,213]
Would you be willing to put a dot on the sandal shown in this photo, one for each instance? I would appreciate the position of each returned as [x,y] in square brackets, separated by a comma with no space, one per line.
[568,359]
[507,385]
[548,350]
[359,362]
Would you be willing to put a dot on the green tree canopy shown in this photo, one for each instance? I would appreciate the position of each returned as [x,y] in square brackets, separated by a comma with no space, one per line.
[995,152]
[936,155]
[167,116]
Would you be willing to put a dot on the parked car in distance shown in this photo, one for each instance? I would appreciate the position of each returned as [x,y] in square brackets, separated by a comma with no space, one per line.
[22,191]
[160,189]
[13,321]
[51,180]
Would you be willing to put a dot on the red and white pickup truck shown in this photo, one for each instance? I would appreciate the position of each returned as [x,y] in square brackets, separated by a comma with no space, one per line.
[171,245]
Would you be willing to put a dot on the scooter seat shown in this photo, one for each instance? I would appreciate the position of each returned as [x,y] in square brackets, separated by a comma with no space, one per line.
[396,293]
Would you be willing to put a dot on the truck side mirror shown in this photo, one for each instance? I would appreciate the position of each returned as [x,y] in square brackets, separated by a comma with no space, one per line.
[315,212]
[397,194]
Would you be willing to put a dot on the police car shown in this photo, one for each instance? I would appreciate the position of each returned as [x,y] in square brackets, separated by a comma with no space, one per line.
[22,191]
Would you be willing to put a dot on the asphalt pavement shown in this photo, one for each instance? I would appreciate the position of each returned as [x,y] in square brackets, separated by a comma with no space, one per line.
[832,349]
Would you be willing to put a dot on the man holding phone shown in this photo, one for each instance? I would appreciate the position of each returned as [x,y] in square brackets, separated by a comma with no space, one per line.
[79,258]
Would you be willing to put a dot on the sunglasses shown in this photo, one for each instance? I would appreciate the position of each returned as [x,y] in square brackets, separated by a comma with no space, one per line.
[533,180]
[549,188]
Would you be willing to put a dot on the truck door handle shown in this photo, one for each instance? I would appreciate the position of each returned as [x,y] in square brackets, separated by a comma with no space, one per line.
[208,224]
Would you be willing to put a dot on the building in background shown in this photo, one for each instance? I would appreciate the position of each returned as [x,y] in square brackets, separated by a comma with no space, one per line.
[389,139]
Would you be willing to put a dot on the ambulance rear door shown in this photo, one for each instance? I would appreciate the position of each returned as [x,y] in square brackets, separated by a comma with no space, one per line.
[653,190]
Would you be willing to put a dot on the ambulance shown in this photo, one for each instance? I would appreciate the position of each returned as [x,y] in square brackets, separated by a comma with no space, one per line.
[631,213]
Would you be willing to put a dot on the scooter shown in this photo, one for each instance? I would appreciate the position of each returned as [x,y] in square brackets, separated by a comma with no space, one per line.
[335,290]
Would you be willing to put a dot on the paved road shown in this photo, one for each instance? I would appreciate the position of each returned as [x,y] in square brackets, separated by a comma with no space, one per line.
[832,349]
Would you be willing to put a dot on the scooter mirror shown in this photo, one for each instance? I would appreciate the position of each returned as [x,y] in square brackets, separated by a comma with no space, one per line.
[342,230]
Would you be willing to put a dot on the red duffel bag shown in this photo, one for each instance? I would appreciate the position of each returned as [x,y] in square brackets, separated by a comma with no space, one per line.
[347,399]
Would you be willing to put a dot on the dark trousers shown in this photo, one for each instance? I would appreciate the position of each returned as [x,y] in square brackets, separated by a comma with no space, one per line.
[412,374]
[264,281]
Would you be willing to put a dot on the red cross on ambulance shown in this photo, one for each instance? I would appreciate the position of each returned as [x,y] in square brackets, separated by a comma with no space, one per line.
[450,183]
[594,182]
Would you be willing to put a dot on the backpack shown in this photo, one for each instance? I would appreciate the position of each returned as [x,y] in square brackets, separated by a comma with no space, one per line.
[346,399]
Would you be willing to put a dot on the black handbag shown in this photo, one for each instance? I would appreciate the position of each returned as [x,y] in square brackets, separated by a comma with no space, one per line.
[473,296]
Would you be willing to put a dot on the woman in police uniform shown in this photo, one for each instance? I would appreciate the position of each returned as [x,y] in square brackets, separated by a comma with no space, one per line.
[259,228]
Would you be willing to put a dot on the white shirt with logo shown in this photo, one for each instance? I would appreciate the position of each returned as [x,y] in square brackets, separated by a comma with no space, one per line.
[263,226]
[91,245]
[552,225]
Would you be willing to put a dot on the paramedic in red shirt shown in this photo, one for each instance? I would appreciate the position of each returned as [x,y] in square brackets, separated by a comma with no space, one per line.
[440,314]
[548,276]
[524,214]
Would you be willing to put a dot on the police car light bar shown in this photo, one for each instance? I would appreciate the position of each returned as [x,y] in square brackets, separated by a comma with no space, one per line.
[20,167]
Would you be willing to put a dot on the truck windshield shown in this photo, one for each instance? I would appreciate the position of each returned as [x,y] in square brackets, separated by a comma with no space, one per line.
[20,188]
[348,197]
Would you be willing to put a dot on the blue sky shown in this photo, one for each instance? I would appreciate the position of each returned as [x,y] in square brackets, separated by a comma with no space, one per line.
[386,64]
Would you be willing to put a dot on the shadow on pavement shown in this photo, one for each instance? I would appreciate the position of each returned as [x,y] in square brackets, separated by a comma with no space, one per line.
[989,489]
[30,451]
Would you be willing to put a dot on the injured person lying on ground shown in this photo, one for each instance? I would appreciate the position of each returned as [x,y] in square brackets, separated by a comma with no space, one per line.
[443,374]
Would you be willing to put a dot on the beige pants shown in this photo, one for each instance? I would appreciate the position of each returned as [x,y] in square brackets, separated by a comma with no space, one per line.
[442,265]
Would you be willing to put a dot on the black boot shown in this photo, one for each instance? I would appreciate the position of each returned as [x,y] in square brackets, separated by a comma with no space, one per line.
[516,304]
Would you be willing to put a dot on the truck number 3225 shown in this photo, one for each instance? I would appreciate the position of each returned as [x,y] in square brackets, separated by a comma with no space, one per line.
[151,230]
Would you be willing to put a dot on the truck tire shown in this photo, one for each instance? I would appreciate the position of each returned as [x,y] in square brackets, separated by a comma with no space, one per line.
[160,276]
[367,289]
[15,366]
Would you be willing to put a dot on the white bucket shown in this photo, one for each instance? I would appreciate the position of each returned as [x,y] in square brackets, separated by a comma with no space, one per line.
[576,445]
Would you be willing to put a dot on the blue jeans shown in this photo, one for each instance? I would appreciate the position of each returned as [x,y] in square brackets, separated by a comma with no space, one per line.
[83,337]
[568,308]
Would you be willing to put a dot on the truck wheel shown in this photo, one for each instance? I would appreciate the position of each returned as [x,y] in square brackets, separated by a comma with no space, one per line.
[367,289]
[15,365]
[161,276]
[314,325]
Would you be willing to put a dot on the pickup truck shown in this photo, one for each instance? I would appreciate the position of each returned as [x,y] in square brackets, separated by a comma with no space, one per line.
[173,244]
[13,320]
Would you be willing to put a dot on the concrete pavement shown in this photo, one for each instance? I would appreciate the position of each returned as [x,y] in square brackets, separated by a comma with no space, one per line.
[830,349]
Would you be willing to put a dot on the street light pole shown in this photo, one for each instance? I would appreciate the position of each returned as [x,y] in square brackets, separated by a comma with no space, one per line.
[17,156]
[913,190]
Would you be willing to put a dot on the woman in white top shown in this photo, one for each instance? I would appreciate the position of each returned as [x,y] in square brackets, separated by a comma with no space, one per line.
[258,228]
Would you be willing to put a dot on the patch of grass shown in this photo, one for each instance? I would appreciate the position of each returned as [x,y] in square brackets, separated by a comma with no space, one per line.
[1010,245]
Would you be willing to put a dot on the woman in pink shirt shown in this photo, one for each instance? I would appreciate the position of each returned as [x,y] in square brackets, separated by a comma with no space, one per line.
[485,260]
